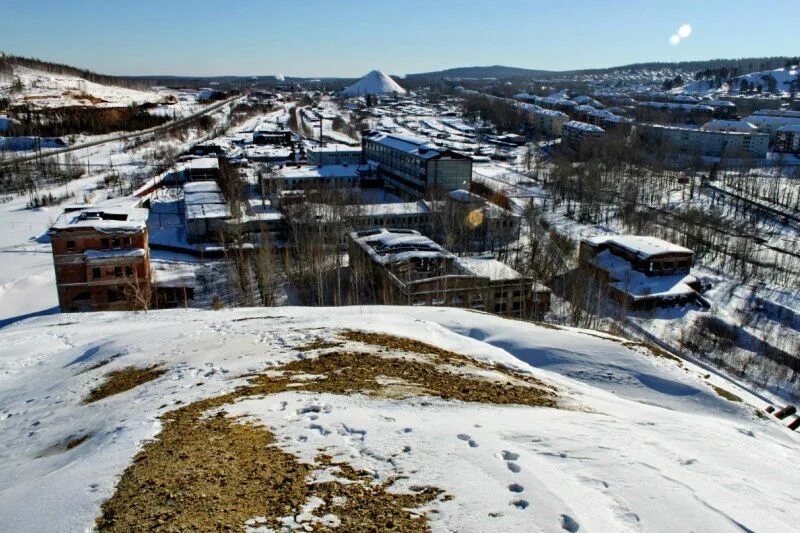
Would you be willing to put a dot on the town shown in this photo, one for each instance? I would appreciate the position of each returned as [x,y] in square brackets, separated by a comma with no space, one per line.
[374,293]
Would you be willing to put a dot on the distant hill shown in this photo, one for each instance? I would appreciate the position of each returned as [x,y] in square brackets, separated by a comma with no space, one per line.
[504,72]
[494,71]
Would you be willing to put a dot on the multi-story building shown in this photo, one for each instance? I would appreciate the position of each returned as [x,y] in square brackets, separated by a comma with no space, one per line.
[580,137]
[712,142]
[640,272]
[334,154]
[101,258]
[610,122]
[403,267]
[673,112]
[544,121]
[469,223]
[415,167]
[769,121]
[787,139]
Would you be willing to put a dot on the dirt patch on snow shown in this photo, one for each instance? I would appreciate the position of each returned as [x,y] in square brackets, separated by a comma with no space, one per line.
[208,471]
[123,380]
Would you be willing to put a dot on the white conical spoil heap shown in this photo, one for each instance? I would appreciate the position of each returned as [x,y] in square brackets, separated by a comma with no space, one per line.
[376,82]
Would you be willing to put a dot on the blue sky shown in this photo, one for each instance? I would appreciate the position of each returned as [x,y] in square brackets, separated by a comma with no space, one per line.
[351,37]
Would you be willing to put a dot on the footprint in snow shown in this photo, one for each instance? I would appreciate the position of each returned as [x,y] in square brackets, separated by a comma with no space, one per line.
[520,504]
[514,467]
[516,488]
[569,524]
[509,456]
[466,438]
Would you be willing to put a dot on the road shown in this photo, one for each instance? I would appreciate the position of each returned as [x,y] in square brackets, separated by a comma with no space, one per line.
[125,136]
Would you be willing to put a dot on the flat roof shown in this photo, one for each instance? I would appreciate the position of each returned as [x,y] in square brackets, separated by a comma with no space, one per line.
[319,171]
[640,245]
[414,146]
[110,219]
[488,267]
[386,246]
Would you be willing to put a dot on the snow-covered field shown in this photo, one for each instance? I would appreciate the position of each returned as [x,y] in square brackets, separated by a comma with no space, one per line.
[638,443]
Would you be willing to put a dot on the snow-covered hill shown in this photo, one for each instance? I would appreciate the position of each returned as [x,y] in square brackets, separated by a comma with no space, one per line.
[284,417]
[40,89]
[783,77]
[376,82]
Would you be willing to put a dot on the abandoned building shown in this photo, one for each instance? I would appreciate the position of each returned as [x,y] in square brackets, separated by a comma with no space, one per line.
[406,268]
[640,272]
[101,259]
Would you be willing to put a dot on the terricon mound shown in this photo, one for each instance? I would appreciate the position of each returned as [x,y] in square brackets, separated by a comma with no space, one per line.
[376,82]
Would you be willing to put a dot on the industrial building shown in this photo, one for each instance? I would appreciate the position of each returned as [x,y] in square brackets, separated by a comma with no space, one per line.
[407,268]
[415,167]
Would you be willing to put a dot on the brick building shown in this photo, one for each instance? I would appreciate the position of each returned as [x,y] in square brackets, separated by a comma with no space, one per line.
[101,259]
[403,267]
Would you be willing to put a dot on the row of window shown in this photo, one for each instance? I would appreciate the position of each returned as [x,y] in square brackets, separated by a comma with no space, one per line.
[97,272]
[113,243]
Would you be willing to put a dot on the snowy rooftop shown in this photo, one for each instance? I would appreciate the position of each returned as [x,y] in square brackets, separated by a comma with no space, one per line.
[675,105]
[202,163]
[729,125]
[795,128]
[640,285]
[387,246]
[583,126]
[321,171]
[488,267]
[335,148]
[411,145]
[642,246]
[103,219]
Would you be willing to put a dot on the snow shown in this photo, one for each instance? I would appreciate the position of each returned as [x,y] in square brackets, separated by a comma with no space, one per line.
[375,82]
[94,217]
[488,267]
[643,246]
[101,255]
[644,443]
[48,90]
[640,285]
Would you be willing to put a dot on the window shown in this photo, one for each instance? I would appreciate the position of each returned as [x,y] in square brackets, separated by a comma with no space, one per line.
[104,244]
[118,272]
[129,271]
[115,242]
[96,273]
[113,295]
[127,241]
[70,246]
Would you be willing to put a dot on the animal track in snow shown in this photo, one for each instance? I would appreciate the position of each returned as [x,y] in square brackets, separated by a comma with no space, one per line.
[516,488]
[514,467]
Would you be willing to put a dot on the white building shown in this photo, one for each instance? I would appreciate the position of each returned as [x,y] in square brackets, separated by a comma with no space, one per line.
[707,142]
[771,120]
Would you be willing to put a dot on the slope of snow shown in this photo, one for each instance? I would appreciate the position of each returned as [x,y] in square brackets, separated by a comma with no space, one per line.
[47,89]
[783,77]
[643,443]
[376,82]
